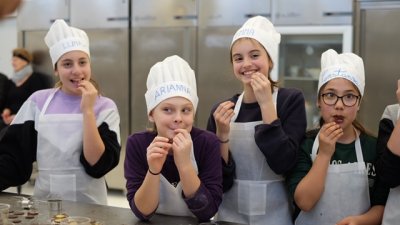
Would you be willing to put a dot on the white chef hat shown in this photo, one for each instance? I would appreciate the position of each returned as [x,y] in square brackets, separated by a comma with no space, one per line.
[171,77]
[263,31]
[346,65]
[62,38]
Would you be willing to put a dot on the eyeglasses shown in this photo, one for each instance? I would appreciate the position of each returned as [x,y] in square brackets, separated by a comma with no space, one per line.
[347,100]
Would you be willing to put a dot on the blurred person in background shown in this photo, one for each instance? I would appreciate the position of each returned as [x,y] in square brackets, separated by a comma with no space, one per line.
[22,84]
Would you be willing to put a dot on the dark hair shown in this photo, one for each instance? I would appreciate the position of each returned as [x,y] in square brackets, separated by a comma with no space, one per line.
[273,83]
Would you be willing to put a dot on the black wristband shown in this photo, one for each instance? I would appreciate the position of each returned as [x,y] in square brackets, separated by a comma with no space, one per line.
[152,173]
[224,142]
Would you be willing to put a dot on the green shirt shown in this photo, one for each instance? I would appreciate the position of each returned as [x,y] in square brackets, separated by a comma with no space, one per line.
[344,153]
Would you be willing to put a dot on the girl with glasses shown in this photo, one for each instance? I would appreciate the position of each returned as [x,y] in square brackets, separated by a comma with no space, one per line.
[334,181]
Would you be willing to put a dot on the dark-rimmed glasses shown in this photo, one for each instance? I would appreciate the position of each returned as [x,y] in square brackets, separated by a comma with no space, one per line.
[347,100]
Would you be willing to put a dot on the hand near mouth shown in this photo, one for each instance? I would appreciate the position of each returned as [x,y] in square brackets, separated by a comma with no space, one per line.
[157,153]
[328,136]
[182,147]
[89,95]
[261,87]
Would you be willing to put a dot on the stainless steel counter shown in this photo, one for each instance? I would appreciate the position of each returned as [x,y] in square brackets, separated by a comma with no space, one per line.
[107,214]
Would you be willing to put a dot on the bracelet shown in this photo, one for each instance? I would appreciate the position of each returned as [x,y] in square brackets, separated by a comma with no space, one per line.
[224,142]
[152,173]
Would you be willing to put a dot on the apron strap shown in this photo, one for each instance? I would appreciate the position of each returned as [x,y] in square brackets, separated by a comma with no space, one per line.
[359,155]
[48,100]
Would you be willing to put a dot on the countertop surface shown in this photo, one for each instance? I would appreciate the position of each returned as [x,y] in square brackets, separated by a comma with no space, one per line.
[108,215]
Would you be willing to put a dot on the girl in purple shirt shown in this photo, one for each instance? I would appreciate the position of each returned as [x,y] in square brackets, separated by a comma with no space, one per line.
[175,169]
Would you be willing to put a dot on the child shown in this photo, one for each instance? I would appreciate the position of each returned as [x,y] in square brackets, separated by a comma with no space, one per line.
[389,164]
[260,129]
[71,131]
[175,169]
[334,181]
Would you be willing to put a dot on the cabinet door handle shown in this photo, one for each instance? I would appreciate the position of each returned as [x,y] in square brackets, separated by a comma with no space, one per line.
[117,18]
[185,17]
[261,14]
[337,13]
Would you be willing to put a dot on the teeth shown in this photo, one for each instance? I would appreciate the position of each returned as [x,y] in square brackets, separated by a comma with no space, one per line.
[248,72]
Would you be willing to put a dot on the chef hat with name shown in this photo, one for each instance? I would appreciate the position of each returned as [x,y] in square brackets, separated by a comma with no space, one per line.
[263,31]
[171,77]
[346,65]
[62,38]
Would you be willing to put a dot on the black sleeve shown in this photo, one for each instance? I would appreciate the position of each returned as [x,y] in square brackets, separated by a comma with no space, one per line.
[110,158]
[279,141]
[18,144]
[388,164]
[3,91]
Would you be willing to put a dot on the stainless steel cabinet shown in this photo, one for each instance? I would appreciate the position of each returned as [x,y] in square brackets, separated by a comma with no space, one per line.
[312,12]
[40,14]
[100,14]
[376,34]
[158,31]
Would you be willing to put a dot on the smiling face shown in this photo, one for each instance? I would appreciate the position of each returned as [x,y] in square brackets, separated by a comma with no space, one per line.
[72,68]
[248,56]
[171,114]
[339,113]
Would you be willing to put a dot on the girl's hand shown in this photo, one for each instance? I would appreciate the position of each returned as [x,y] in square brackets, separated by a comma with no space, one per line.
[157,153]
[223,115]
[350,220]
[89,95]
[181,147]
[261,87]
[328,136]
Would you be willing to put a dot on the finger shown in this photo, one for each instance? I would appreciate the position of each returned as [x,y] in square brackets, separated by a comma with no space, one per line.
[156,152]
[160,139]
[223,107]
[181,135]
[228,116]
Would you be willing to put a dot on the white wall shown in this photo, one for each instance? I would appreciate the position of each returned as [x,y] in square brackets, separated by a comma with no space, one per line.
[9,41]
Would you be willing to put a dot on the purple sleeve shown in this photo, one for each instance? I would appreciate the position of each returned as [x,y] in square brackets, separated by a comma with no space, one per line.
[280,140]
[204,204]
[207,199]
[135,169]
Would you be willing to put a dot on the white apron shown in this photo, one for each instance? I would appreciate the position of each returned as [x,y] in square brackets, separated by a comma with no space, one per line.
[61,175]
[346,191]
[171,201]
[391,215]
[258,195]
